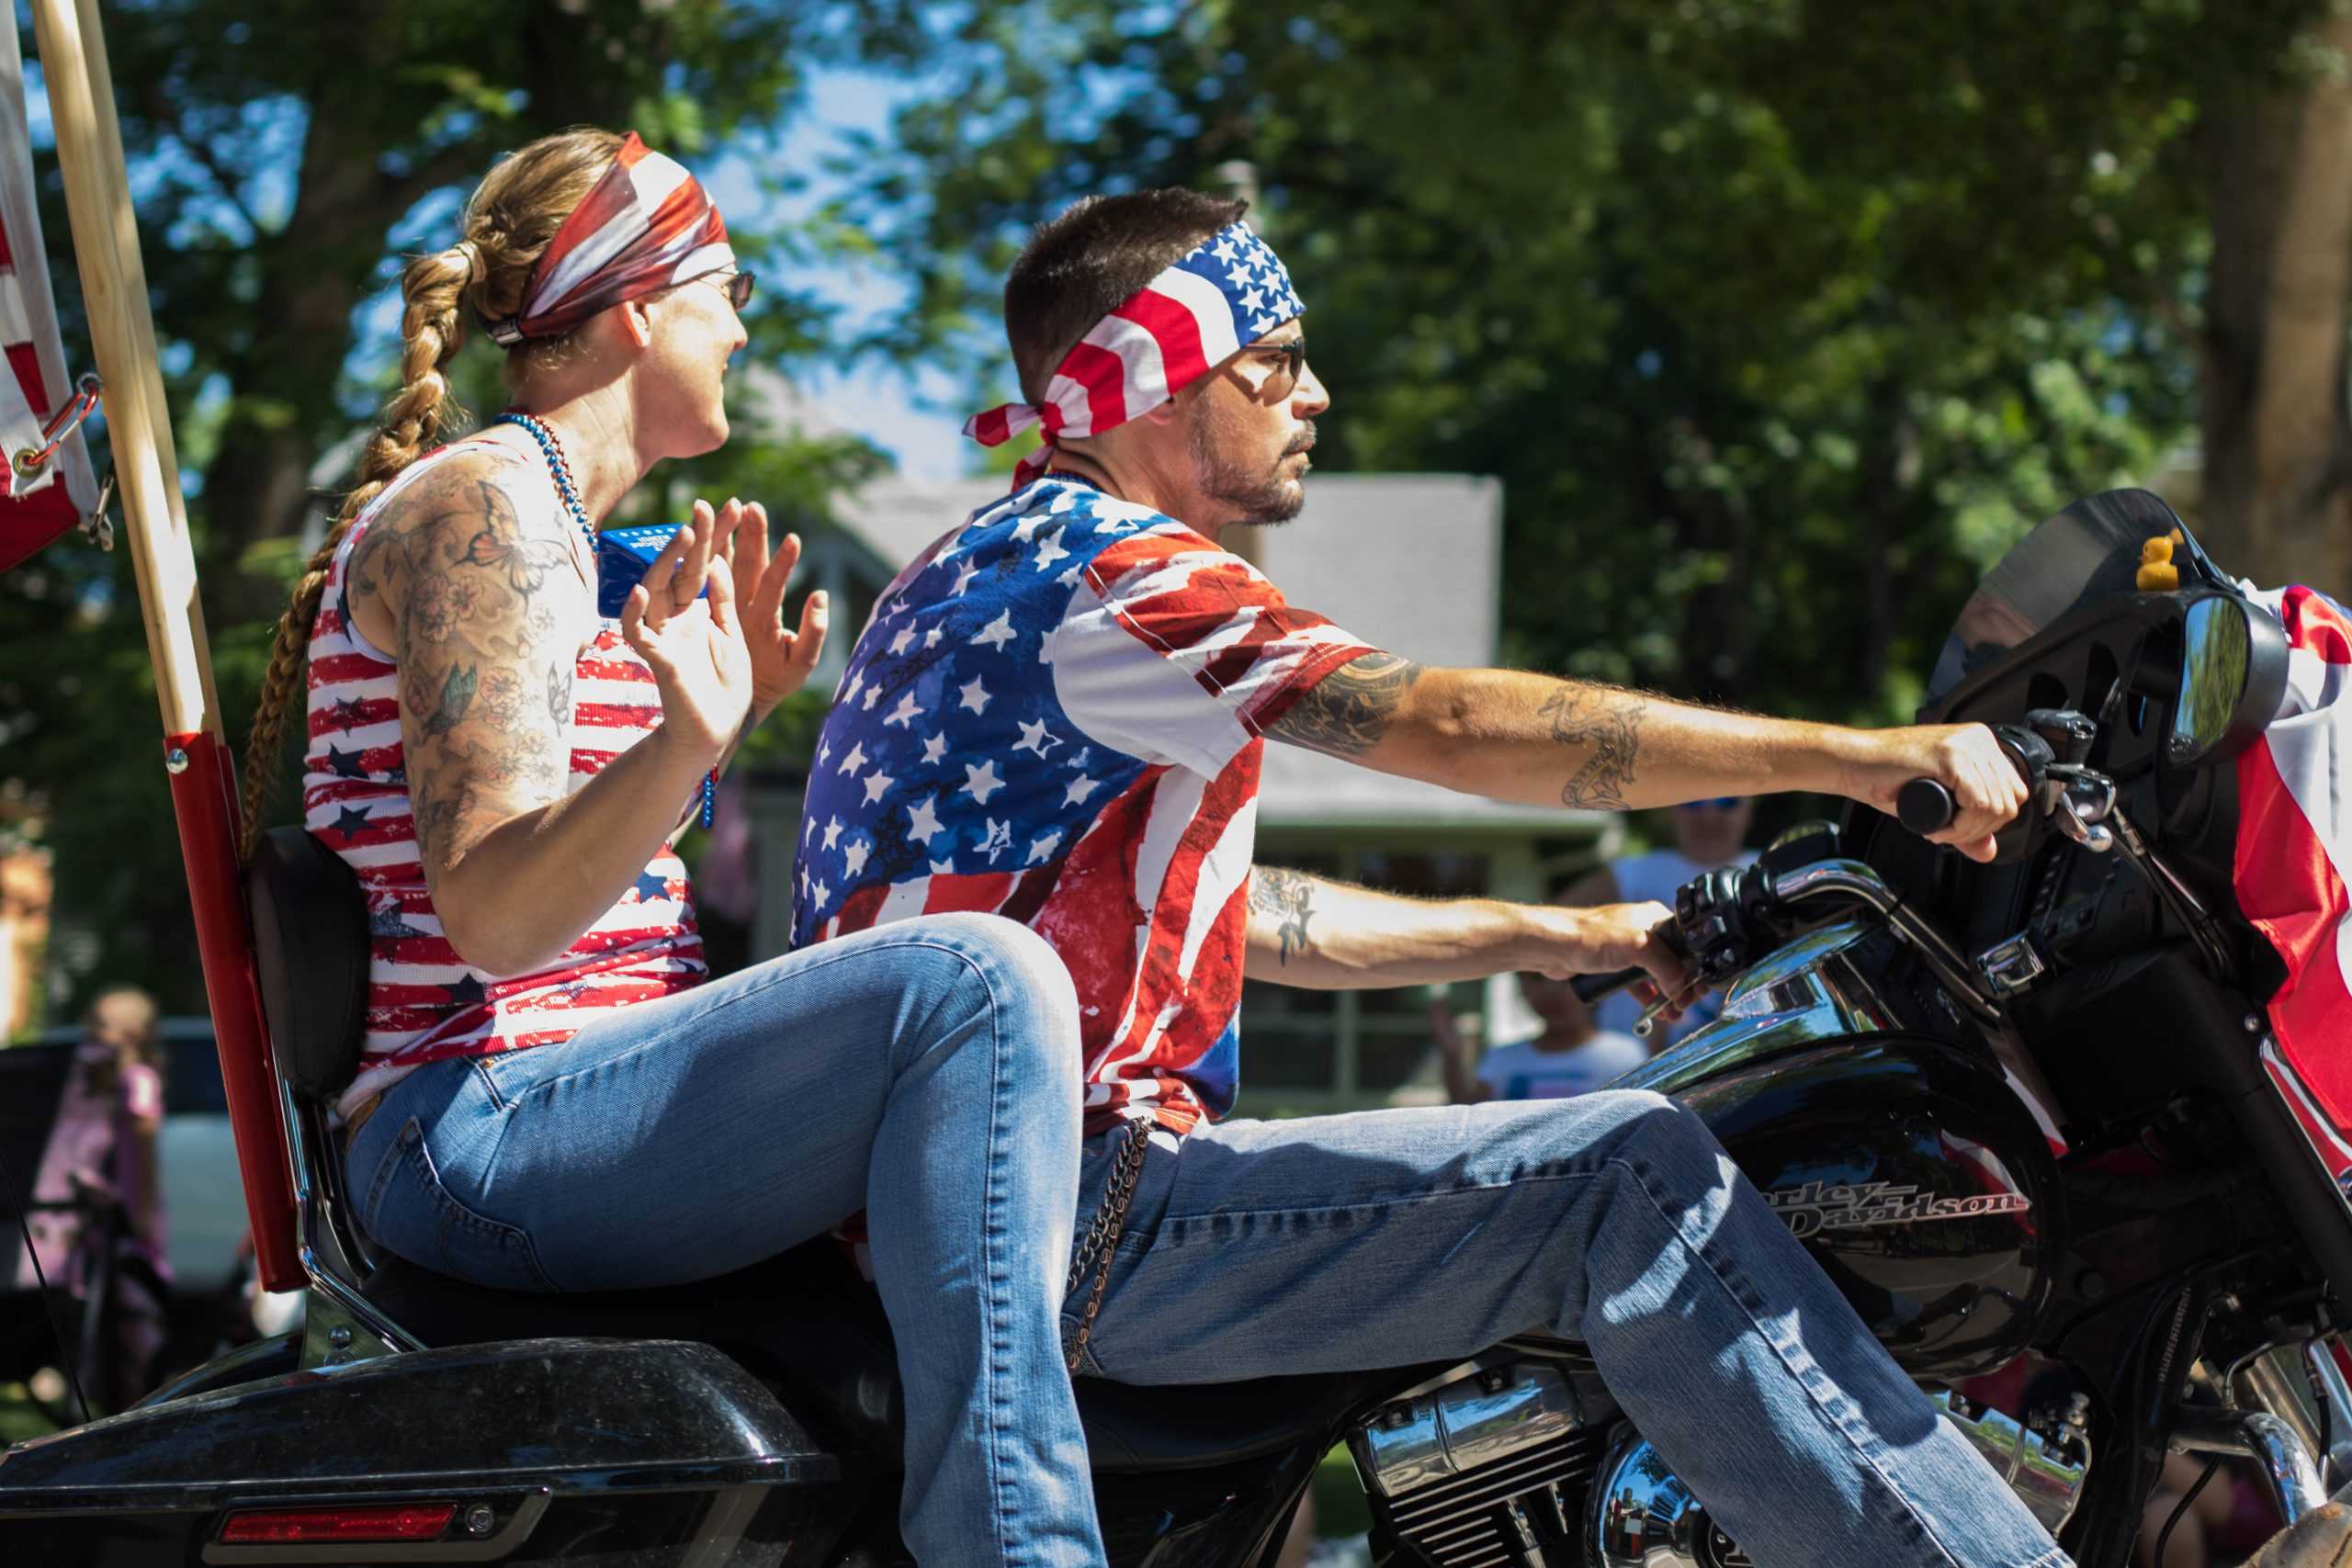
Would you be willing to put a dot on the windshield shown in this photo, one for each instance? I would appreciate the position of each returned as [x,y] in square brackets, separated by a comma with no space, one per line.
[2090,551]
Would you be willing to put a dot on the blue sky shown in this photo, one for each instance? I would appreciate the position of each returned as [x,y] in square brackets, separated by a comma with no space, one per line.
[915,418]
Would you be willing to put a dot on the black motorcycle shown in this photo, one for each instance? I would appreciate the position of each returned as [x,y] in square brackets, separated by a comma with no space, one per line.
[2027,1115]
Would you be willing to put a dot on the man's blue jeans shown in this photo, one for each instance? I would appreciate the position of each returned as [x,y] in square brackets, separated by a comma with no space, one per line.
[1395,1236]
[926,1072]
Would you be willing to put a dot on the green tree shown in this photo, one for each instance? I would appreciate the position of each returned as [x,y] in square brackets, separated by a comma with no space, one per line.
[1779,319]
[283,154]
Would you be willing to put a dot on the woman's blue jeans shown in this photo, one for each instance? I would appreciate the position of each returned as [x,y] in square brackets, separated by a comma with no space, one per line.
[925,1071]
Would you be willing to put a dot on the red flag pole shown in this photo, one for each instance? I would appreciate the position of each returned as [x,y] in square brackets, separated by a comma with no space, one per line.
[197,759]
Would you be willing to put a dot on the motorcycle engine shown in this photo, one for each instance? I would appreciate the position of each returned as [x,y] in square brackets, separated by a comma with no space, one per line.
[1499,1467]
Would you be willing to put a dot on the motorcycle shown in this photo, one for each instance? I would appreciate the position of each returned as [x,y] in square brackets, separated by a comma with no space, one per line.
[2026,1115]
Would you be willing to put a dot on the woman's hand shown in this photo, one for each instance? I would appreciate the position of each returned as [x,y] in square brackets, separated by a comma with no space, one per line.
[781,659]
[700,658]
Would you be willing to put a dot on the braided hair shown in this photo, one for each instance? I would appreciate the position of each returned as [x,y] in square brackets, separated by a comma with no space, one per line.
[507,223]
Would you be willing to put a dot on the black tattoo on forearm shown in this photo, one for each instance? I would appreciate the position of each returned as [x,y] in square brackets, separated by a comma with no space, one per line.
[1289,897]
[1607,722]
[1347,712]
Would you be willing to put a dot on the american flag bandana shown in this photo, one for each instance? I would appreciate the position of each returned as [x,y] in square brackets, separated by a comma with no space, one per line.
[1225,295]
[647,226]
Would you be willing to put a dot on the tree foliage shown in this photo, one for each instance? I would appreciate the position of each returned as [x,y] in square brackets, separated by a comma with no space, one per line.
[1779,319]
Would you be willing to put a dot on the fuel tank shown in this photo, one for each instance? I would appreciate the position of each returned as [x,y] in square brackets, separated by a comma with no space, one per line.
[1907,1166]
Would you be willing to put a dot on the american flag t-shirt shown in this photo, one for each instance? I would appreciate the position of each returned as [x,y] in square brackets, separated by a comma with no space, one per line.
[1054,713]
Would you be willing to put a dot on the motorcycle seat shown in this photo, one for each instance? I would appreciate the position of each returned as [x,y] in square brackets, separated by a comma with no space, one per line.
[806,1319]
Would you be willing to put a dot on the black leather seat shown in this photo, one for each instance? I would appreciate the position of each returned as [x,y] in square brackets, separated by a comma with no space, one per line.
[803,1318]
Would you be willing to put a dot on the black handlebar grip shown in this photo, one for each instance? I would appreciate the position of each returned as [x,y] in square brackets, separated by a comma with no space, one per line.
[1925,807]
[1591,989]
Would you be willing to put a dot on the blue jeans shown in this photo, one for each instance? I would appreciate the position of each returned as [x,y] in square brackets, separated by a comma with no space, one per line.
[925,1071]
[1390,1237]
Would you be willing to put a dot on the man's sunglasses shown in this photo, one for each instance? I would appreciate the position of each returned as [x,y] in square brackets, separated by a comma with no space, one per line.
[736,285]
[1720,803]
[1284,380]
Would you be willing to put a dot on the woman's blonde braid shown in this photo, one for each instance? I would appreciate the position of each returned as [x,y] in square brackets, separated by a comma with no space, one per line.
[433,288]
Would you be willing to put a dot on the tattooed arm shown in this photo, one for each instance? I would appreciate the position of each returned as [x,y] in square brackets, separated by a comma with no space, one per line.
[1322,935]
[485,612]
[1521,737]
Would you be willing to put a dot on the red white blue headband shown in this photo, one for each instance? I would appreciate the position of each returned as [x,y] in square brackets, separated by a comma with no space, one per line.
[646,225]
[1223,296]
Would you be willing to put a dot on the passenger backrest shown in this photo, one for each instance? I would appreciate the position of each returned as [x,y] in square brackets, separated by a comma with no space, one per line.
[310,946]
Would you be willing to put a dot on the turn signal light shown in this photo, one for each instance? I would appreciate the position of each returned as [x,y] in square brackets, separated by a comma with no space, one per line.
[394,1521]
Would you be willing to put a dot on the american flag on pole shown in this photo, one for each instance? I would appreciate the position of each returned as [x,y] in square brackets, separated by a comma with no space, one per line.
[2294,846]
[60,491]
[1055,715]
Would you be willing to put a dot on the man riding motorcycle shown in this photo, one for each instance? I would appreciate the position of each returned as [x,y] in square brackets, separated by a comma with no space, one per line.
[1057,713]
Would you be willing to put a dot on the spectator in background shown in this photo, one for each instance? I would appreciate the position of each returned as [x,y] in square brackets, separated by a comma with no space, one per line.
[124,1049]
[100,1155]
[1707,834]
[1572,1056]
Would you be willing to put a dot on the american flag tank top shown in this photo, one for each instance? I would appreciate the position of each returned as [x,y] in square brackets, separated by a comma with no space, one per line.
[425,1003]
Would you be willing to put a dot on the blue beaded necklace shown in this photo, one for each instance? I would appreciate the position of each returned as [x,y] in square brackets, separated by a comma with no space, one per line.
[569,492]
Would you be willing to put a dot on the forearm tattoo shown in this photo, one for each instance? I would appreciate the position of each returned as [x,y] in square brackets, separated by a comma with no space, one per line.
[1289,897]
[1347,712]
[472,594]
[1607,722]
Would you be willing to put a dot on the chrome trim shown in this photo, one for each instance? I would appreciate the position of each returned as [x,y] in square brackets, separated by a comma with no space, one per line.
[1805,993]
[2048,1481]
[1471,1421]
[2335,1398]
[1852,879]
[2287,1465]
[1641,1516]
[351,1329]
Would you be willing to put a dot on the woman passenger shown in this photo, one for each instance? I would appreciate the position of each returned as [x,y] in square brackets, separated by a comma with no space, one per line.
[552,1096]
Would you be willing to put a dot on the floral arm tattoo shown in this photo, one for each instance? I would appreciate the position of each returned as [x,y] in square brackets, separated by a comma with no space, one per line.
[1287,896]
[478,597]
[1347,712]
[1607,723]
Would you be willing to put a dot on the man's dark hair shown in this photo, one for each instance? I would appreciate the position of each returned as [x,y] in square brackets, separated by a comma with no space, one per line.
[1097,256]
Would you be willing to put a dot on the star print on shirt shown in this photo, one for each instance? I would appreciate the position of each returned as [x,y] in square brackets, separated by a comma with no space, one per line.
[349,820]
[650,887]
[922,821]
[1034,738]
[833,832]
[1042,849]
[906,636]
[1049,551]
[964,579]
[854,857]
[1078,790]
[466,992]
[851,763]
[905,712]
[875,782]
[346,764]
[347,715]
[934,749]
[981,781]
[974,696]
[997,632]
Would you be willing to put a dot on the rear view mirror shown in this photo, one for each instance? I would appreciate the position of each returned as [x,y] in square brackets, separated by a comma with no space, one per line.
[2233,671]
